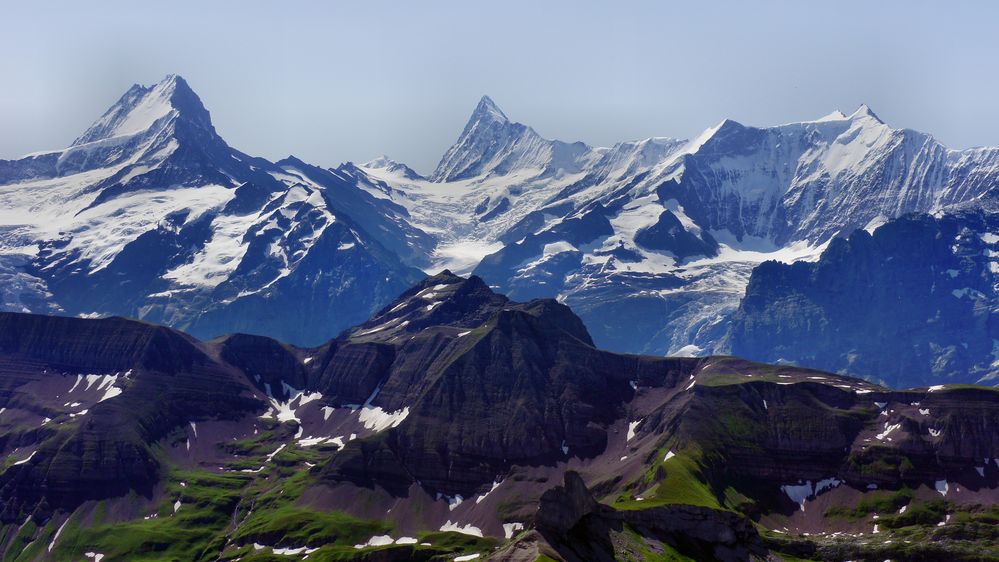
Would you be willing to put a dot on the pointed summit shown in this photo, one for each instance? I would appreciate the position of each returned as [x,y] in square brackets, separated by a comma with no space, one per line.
[143,107]
[484,141]
[864,111]
[492,144]
[487,109]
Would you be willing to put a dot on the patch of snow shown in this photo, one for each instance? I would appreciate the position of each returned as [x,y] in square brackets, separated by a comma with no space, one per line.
[483,496]
[55,537]
[669,455]
[289,551]
[456,528]
[631,429]
[25,460]
[826,484]
[942,486]
[276,451]
[466,557]
[405,540]
[452,501]
[378,540]
[888,430]
[510,528]
[798,493]
[376,419]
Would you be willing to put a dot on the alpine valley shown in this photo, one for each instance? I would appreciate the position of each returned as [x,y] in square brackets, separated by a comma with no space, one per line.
[525,355]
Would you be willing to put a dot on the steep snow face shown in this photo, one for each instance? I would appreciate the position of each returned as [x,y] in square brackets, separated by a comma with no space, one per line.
[138,110]
[492,144]
[150,214]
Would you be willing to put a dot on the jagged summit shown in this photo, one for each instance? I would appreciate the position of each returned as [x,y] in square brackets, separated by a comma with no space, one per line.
[487,108]
[142,107]
[865,111]
[493,144]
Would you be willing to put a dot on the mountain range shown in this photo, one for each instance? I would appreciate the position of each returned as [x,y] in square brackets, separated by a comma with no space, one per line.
[150,214]
[456,424]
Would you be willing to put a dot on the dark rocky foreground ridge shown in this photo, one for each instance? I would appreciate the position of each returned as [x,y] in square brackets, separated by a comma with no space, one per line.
[456,422]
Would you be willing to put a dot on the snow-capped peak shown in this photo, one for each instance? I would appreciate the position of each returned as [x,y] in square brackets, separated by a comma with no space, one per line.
[380,162]
[834,116]
[387,164]
[488,109]
[864,111]
[142,107]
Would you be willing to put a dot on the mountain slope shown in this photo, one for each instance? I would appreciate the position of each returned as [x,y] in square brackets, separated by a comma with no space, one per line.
[651,242]
[150,214]
[440,428]
[492,144]
[910,304]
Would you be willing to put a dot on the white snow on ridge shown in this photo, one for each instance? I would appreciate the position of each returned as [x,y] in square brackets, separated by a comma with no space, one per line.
[376,419]
[153,106]
[468,529]
[800,493]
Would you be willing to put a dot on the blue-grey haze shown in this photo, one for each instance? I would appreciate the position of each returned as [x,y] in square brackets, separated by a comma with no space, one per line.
[337,81]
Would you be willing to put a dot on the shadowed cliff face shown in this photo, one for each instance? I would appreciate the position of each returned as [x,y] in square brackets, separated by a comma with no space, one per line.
[912,304]
[84,400]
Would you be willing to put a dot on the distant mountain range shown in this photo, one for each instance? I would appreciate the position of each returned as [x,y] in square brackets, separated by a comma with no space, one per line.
[150,214]
[456,424]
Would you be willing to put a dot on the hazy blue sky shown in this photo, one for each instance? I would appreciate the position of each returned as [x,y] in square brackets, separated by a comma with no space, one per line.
[336,81]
